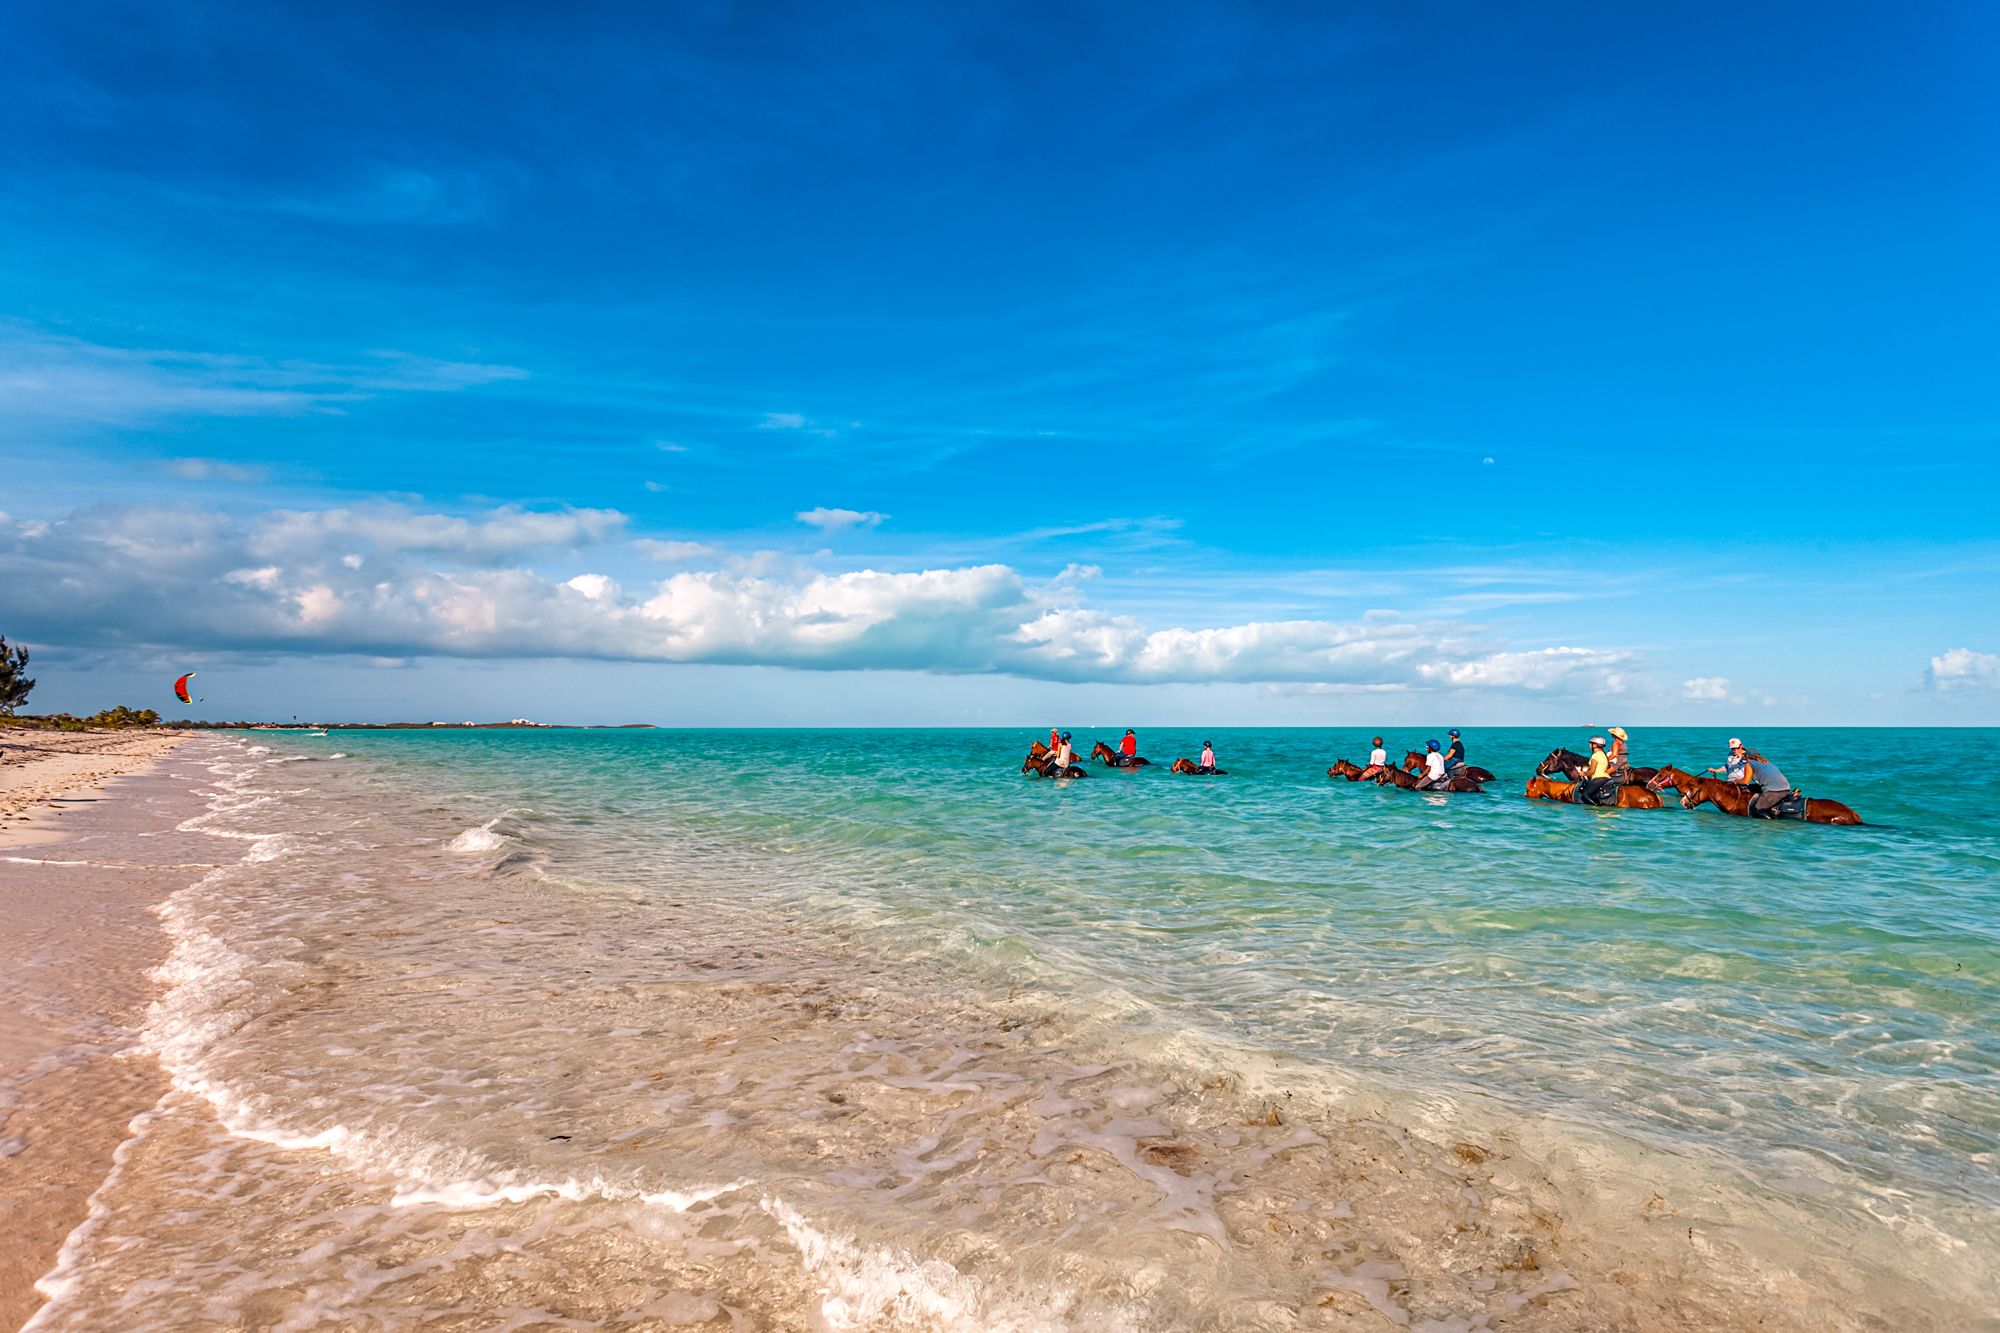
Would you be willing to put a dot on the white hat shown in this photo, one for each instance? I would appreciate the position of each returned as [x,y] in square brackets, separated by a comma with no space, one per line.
[1597,740]
[1734,742]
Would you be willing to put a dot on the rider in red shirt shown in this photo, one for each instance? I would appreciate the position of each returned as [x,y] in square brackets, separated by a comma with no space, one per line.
[1129,747]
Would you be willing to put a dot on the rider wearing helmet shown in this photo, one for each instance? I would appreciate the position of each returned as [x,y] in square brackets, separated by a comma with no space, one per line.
[1597,784]
[1433,765]
[1207,764]
[1454,753]
[1060,757]
[1378,759]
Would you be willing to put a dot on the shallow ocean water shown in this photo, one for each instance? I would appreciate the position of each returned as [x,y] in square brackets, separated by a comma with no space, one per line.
[842,1029]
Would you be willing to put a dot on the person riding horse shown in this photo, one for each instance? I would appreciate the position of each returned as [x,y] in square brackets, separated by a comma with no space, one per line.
[1434,767]
[1378,759]
[1598,786]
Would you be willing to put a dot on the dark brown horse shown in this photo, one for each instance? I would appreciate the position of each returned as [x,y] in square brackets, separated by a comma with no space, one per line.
[1734,799]
[1629,797]
[1104,754]
[1039,762]
[1453,782]
[1190,766]
[1342,769]
[1414,760]
[1570,764]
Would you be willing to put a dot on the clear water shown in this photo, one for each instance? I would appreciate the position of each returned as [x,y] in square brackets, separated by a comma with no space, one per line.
[1780,1039]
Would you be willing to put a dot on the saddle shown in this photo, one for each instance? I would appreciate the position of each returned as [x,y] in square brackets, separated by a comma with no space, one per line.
[1793,806]
[1605,795]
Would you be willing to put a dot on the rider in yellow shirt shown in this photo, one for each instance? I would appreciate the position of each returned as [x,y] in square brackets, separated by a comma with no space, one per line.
[1597,785]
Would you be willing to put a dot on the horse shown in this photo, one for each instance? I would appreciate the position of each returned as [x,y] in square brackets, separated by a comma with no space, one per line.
[1734,799]
[1342,769]
[1453,782]
[1414,760]
[1190,766]
[1039,763]
[1629,797]
[1571,765]
[1104,754]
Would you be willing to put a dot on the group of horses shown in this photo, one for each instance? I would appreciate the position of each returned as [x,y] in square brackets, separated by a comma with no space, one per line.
[1040,762]
[1560,777]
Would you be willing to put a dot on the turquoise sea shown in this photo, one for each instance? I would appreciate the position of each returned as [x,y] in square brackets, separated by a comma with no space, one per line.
[1780,1039]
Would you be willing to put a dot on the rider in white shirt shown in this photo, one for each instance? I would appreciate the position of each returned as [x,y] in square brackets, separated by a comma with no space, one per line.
[1433,764]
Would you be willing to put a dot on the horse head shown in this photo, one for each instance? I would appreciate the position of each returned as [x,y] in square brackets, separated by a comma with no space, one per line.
[1342,769]
[1102,751]
[1667,776]
[1559,761]
[1184,766]
[1413,760]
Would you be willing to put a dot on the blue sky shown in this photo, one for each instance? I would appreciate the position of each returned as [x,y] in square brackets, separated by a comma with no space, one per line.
[739,363]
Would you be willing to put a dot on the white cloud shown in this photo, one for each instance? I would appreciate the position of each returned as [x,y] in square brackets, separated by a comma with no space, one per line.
[1706,689]
[656,549]
[833,520]
[782,421]
[443,585]
[212,469]
[1963,669]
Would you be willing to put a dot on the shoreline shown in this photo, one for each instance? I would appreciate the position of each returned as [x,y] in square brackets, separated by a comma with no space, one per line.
[79,939]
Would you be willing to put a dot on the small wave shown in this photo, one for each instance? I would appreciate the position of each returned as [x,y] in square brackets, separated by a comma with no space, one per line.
[480,839]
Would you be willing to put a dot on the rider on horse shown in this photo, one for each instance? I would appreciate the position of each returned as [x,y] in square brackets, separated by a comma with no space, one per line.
[1129,747]
[1433,766]
[1597,786]
[1454,753]
[1378,759]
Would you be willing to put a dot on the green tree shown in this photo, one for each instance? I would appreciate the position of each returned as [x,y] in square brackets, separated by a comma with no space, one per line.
[14,683]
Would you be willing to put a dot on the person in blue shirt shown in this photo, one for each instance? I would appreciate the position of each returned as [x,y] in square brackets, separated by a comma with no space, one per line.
[1734,764]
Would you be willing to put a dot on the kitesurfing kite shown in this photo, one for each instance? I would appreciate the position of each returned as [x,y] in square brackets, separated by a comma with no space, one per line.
[181,688]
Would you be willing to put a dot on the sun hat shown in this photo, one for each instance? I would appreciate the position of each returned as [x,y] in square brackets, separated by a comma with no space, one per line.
[1597,740]
[1619,732]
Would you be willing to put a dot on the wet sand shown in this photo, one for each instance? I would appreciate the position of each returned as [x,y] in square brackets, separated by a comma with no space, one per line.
[78,941]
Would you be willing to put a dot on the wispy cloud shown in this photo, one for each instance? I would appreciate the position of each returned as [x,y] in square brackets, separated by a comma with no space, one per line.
[836,520]
[51,376]
[1706,689]
[213,469]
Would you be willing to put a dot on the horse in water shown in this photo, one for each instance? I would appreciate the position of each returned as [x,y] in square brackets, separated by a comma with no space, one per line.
[1734,799]
[1629,797]
[1040,761]
[1342,769]
[1414,760]
[1104,754]
[1190,766]
[1453,782]
[1570,764]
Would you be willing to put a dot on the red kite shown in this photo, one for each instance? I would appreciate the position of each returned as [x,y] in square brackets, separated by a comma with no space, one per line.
[181,688]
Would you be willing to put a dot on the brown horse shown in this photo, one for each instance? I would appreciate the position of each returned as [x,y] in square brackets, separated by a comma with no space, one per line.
[1111,758]
[1414,760]
[1571,765]
[1629,797]
[1453,782]
[1190,766]
[1342,769]
[1734,799]
[1039,762]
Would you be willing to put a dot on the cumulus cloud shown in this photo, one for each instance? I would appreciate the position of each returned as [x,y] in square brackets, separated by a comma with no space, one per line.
[833,520]
[1706,689]
[445,585]
[1964,669]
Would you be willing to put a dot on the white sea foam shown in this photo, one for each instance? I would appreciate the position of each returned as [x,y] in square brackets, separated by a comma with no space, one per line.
[480,839]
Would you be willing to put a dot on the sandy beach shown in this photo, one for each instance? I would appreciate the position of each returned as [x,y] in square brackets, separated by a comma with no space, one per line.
[78,941]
